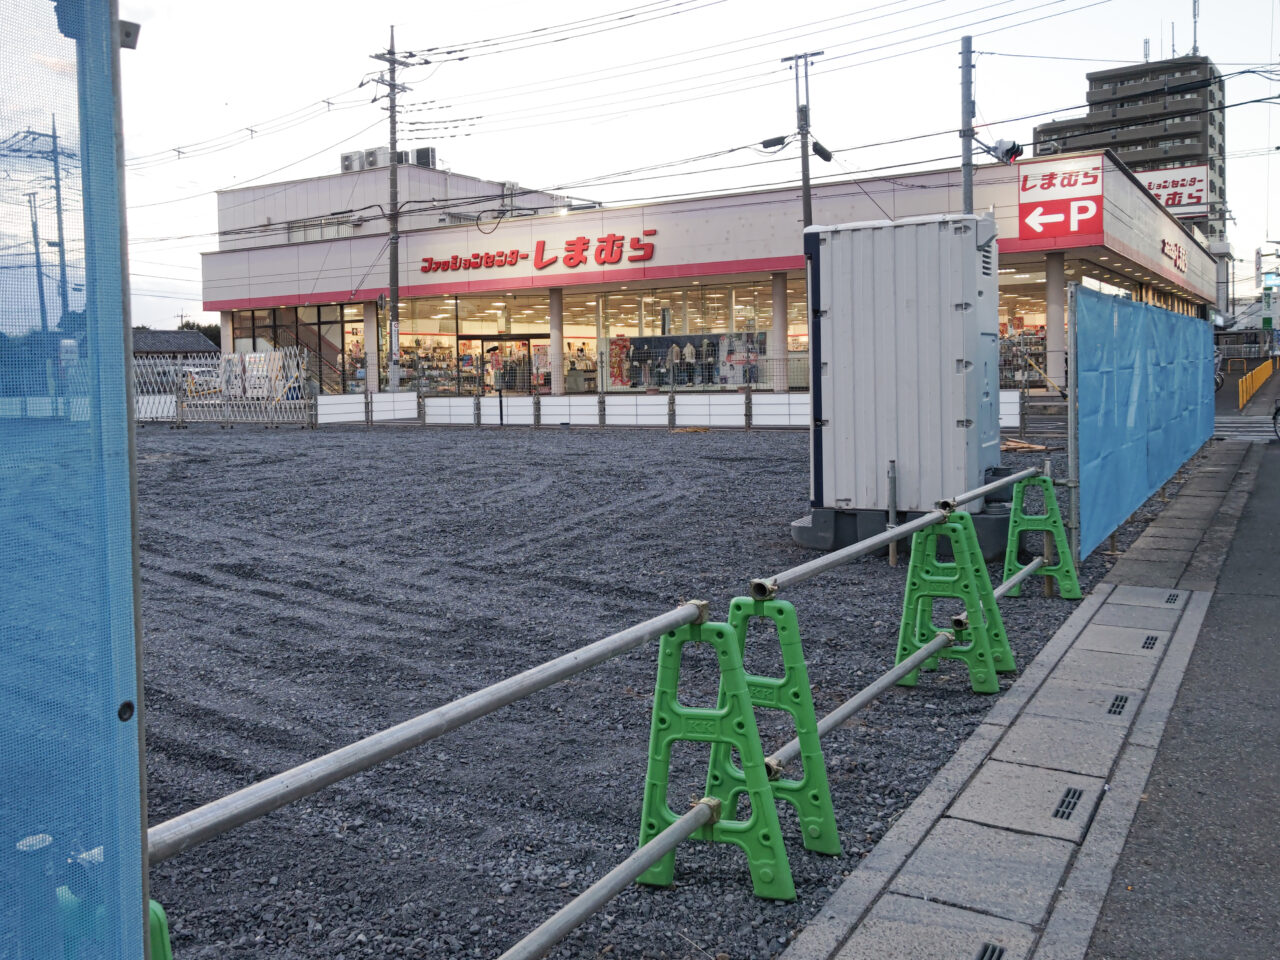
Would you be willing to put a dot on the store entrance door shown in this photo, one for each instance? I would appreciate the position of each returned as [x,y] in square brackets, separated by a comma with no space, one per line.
[514,363]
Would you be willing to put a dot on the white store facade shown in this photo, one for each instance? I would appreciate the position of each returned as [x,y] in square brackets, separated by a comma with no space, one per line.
[504,288]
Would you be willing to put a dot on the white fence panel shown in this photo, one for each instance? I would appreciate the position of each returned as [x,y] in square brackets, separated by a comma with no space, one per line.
[579,410]
[489,411]
[711,410]
[395,406]
[457,411]
[621,411]
[340,408]
[1009,408]
[155,406]
[651,411]
[518,411]
[770,410]
[727,410]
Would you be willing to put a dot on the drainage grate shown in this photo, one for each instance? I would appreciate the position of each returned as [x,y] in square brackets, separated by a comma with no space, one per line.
[1172,598]
[1150,642]
[989,951]
[1067,805]
[1118,704]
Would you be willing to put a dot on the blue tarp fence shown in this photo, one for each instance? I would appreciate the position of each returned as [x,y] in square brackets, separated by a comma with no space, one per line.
[71,862]
[1144,403]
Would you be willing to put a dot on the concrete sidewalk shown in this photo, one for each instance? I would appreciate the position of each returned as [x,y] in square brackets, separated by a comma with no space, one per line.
[1009,853]
[1199,870]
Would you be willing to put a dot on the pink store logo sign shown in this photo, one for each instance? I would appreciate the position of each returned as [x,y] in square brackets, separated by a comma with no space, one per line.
[612,248]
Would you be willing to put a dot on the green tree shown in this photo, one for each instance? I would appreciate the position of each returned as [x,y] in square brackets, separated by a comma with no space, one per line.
[211,330]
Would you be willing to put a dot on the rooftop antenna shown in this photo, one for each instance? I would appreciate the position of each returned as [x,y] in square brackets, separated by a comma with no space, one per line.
[1195,28]
[1173,44]
[1146,49]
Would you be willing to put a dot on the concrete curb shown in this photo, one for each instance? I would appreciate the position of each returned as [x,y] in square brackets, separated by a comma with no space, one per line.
[828,930]
[1075,913]
[1075,909]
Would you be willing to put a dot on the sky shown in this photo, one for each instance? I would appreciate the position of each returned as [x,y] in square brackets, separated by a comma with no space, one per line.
[574,96]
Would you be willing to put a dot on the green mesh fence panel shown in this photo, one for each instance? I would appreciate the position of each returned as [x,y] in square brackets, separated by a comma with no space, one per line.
[70,818]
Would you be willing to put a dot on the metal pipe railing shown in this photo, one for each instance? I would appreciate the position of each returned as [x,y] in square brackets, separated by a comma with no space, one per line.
[541,941]
[170,838]
[212,819]
[790,750]
[1018,577]
[766,587]
[979,492]
[840,714]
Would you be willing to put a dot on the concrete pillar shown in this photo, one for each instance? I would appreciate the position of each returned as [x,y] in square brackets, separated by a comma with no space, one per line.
[776,345]
[640,327]
[370,348]
[228,343]
[733,310]
[1055,318]
[602,346]
[556,351]
[684,312]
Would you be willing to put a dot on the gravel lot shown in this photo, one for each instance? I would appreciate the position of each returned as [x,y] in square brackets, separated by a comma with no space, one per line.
[302,589]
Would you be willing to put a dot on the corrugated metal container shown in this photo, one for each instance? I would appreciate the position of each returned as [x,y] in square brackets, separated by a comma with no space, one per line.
[905,354]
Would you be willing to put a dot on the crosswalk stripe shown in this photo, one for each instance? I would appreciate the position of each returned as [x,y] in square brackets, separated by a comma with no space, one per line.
[1251,429]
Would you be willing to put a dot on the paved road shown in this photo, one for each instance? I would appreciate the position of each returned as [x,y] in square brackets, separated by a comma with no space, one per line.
[1250,429]
[1198,874]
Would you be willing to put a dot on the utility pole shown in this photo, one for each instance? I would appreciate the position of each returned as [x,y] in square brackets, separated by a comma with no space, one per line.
[802,122]
[393,216]
[966,121]
[35,240]
[62,240]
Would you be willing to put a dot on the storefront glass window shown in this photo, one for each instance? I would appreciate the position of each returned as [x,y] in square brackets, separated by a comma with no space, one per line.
[263,332]
[242,331]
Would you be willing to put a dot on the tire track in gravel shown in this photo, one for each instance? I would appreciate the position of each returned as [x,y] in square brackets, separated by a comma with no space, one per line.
[338,581]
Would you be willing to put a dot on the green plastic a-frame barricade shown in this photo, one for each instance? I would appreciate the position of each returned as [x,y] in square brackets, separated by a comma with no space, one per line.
[1063,570]
[982,643]
[732,723]
[810,795]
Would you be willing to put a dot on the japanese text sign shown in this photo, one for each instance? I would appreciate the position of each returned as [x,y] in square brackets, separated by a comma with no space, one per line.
[612,248]
[1184,190]
[1060,198]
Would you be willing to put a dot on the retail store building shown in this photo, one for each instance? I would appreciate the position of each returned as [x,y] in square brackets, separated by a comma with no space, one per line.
[529,292]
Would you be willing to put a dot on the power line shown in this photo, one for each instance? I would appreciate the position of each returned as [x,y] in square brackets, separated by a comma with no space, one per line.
[670,11]
[626,107]
[615,178]
[246,135]
[540,31]
[291,163]
[686,57]
[259,127]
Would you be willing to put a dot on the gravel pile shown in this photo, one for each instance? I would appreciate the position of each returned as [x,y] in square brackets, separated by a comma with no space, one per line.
[303,589]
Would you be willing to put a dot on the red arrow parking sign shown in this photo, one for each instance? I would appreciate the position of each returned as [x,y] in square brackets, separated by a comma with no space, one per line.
[1060,198]
[1060,218]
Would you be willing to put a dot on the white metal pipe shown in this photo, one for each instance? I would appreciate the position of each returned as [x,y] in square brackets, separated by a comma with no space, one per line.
[765,588]
[979,492]
[185,831]
[540,942]
[859,700]
[1018,577]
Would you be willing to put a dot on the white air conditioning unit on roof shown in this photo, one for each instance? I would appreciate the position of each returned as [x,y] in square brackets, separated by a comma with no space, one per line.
[352,161]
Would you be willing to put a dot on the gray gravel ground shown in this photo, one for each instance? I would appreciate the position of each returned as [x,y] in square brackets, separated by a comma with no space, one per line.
[302,589]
